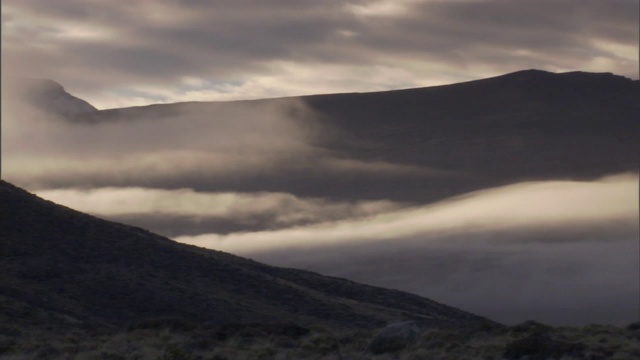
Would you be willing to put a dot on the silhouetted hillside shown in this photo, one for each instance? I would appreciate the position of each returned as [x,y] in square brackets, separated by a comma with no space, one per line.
[61,267]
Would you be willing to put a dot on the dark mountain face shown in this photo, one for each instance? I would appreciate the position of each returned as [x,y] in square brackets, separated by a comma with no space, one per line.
[63,267]
[450,139]
[524,125]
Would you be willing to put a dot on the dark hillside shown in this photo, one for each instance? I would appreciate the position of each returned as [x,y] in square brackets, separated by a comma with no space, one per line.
[509,113]
[62,267]
[526,125]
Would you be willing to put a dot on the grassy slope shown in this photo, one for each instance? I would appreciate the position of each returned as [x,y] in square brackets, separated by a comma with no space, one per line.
[60,266]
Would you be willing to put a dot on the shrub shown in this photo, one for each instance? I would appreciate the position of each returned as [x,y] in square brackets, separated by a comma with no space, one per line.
[6,345]
[634,326]
[540,346]
[172,323]
[530,327]
[176,352]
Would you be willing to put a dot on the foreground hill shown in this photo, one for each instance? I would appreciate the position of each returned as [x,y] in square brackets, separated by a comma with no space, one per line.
[61,267]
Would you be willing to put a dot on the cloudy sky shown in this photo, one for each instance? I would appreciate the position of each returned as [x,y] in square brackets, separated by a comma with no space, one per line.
[144,51]
[279,182]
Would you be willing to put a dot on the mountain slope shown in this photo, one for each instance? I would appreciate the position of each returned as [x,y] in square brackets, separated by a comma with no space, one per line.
[521,126]
[585,123]
[63,267]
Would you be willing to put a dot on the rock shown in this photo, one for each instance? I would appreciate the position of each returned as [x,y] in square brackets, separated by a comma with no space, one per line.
[394,337]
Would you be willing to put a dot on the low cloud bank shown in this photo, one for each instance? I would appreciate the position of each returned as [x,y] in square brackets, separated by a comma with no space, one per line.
[267,210]
[256,146]
[225,129]
[561,252]
[524,205]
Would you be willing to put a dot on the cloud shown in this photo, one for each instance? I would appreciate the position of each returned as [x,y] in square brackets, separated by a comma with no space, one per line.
[246,146]
[524,205]
[561,252]
[105,51]
[220,210]
[156,138]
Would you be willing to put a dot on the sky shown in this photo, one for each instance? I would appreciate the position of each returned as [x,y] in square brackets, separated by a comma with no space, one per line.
[142,52]
[274,181]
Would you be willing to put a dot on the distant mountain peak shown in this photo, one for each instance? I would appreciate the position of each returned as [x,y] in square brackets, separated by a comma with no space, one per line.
[45,95]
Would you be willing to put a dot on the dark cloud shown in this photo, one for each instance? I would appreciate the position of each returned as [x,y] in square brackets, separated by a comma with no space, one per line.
[508,34]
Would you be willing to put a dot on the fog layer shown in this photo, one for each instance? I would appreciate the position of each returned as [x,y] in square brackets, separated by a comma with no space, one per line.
[562,252]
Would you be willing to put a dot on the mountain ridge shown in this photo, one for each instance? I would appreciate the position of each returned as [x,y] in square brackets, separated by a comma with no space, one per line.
[521,75]
[528,74]
[521,126]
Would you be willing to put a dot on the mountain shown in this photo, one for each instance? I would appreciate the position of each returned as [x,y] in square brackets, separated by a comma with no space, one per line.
[463,137]
[63,268]
[44,95]
[521,126]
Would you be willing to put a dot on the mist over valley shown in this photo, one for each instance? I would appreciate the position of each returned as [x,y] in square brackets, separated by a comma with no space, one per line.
[518,205]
